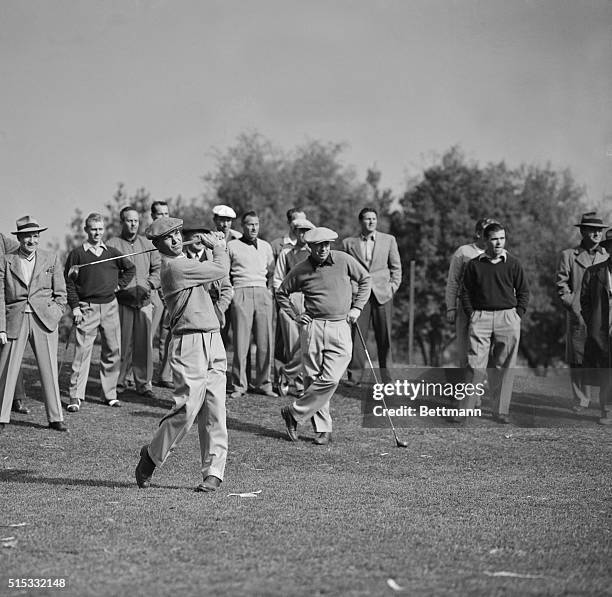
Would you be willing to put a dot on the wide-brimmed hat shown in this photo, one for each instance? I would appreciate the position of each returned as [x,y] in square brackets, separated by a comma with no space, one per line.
[592,220]
[28,224]
[320,235]
[162,227]
[223,211]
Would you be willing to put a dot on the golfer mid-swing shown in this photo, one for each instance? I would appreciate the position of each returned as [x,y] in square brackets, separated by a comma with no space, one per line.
[325,278]
[197,355]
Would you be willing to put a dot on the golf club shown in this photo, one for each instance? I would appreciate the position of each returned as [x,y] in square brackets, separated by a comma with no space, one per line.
[73,272]
[65,356]
[398,442]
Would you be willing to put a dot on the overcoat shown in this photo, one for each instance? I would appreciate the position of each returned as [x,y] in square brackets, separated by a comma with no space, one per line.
[595,299]
[571,268]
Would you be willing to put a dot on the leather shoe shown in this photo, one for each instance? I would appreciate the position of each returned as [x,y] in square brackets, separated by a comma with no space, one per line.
[323,438]
[502,419]
[237,394]
[164,384]
[211,483]
[144,469]
[20,407]
[290,424]
[605,420]
[58,426]
[270,393]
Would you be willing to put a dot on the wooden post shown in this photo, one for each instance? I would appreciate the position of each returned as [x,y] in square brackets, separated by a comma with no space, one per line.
[411,316]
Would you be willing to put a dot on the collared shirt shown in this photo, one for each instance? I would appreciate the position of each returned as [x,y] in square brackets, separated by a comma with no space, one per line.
[328,261]
[96,250]
[503,256]
[367,246]
[248,241]
[27,265]
[195,254]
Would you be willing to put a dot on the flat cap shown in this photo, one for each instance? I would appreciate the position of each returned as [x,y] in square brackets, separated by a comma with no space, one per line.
[302,223]
[320,235]
[223,211]
[195,228]
[162,227]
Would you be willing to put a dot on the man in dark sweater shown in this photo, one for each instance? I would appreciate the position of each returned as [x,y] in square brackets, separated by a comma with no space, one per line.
[91,296]
[495,297]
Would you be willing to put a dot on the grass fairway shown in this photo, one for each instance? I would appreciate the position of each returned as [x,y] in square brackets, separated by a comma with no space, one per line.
[444,517]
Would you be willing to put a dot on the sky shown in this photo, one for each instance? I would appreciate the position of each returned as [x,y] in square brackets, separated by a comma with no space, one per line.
[142,91]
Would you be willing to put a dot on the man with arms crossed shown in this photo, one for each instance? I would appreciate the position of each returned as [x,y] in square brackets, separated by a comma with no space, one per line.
[135,306]
[495,297]
[325,279]
[197,356]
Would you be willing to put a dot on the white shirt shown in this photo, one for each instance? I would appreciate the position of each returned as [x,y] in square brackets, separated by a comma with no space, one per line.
[27,266]
[96,250]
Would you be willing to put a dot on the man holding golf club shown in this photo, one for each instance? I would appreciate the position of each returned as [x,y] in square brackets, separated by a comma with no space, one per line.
[32,301]
[94,273]
[197,355]
[330,308]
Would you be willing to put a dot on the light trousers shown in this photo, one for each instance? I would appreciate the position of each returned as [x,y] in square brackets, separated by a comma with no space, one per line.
[106,318]
[326,353]
[44,345]
[199,366]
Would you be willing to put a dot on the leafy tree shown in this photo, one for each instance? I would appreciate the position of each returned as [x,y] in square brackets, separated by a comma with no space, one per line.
[537,207]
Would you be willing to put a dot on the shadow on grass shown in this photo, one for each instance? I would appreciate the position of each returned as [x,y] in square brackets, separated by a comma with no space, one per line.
[22,423]
[238,425]
[27,476]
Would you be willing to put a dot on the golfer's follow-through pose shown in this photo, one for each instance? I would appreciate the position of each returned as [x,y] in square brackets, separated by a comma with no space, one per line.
[330,308]
[197,355]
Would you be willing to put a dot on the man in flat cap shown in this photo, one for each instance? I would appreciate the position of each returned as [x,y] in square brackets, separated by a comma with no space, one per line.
[325,278]
[572,265]
[288,240]
[290,374]
[197,355]
[223,216]
[32,301]
[135,305]
[251,271]
[378,253]
[91,296]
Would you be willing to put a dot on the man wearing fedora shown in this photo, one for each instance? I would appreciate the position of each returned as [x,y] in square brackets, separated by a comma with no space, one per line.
[32,301]
[572,266]
[197,356]
[595,306]
[326,280]
[135,304]
[378,253]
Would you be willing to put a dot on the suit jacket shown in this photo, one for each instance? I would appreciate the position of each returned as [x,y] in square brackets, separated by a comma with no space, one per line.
[386,267]
[46,293]
[595,302]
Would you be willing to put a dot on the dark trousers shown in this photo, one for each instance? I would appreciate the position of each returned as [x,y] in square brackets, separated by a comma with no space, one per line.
[379,315]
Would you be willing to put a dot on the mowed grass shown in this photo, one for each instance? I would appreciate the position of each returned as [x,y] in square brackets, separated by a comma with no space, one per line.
[444,517]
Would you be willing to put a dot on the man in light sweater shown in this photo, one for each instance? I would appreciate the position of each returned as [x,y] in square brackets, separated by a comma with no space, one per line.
[325,278]
[91,296]
[135,305]
[495,297]
[251,270]
[197,356]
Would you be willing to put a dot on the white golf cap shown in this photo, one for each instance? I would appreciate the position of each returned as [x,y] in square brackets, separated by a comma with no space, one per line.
[302,223]
[223,211]
[320,235]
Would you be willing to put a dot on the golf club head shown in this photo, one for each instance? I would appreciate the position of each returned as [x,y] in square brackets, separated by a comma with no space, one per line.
[73,272]
[400,443]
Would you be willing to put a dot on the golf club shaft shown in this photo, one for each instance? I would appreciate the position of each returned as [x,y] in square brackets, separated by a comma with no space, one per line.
[185,244]
[65,355]
[367,353]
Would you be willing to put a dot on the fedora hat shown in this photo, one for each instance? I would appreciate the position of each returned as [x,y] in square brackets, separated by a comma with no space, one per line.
[592,220]
[28,224]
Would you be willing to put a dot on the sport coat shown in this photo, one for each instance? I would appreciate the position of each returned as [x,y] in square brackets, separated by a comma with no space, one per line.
[46,293]
[386,267]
